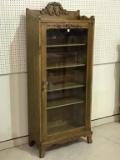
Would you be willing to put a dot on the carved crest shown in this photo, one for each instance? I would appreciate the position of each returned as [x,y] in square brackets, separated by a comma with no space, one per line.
[54,8]
[86,18]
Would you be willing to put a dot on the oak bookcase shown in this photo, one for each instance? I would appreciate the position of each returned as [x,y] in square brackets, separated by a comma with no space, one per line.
[59,61]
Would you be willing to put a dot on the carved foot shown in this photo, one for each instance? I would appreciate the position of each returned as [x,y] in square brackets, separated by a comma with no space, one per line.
[31,143]
[42,151]
[89,139]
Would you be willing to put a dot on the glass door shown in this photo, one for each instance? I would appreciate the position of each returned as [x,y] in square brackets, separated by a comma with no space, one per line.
[66,79]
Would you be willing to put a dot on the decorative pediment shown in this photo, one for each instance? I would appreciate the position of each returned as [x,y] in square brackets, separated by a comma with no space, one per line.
[86,18]
[53,9]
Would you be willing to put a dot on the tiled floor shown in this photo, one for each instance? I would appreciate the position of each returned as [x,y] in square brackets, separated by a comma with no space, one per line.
[105,146]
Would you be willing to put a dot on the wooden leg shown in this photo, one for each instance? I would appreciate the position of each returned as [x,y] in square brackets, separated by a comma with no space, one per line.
[31,143]
[42,151]
[89,139]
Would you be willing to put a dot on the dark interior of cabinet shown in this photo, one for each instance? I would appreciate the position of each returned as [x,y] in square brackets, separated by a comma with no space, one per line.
[66,118]
[66,78]
[65,110]
[65,95]
[67,55]
[66,36]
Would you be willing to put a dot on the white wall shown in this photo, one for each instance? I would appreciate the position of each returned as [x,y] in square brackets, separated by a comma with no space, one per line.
[13,106]
[106,87]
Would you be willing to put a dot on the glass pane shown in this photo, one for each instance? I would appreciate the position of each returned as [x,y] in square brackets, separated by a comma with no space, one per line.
[65,57]
[65,97]
[66,78]
[66,118]
[66,36]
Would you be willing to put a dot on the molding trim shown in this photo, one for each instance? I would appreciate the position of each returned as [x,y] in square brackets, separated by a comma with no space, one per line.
[24,140]
[101,121]
[107,63]
[13,142]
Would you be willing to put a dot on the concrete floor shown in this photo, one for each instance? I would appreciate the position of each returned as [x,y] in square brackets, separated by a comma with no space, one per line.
[105,146]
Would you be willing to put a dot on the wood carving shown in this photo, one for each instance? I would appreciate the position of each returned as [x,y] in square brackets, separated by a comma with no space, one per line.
[86,18]
[68,140]
[54,8]
[68,25]
[61,141]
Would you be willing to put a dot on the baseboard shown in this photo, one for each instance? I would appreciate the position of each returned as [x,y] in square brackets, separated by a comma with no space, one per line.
[98,122]
[24,140]
[13,143]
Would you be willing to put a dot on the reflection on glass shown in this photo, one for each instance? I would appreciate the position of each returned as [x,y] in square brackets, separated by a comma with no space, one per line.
[66,36]
[65,78]
[66,85]
[65,97]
